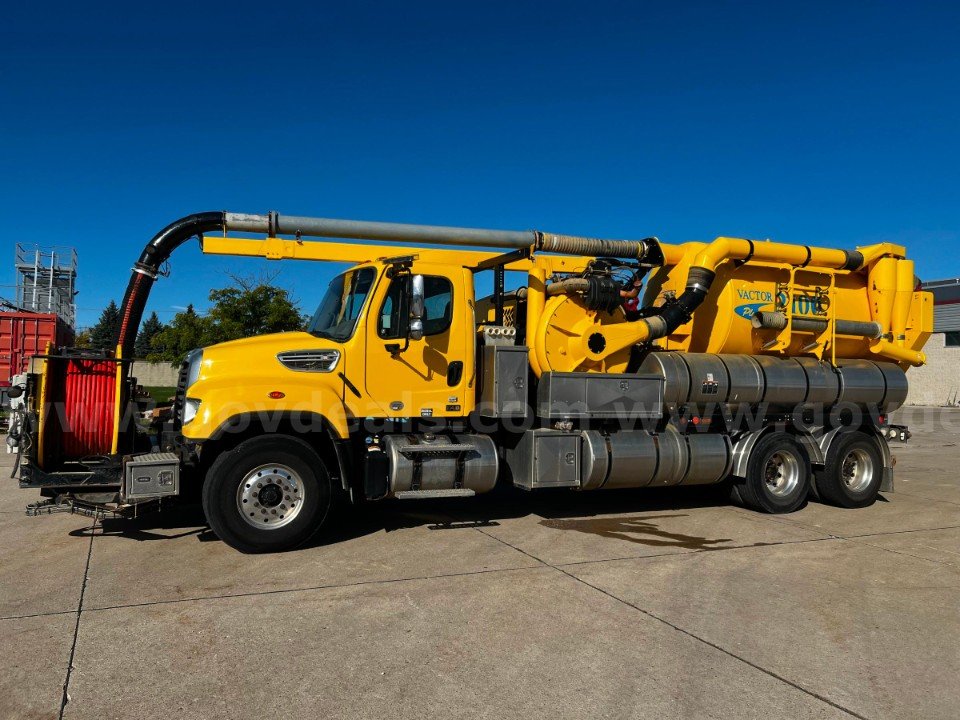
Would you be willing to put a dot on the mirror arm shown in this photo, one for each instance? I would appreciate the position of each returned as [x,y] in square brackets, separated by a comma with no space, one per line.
[395,349]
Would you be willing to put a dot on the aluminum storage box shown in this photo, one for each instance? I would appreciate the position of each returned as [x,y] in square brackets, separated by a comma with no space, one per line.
[546,458]
[151,475]
[599,396]
[503,381]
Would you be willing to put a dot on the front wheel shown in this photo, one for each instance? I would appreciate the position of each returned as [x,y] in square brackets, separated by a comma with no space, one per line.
[268,494]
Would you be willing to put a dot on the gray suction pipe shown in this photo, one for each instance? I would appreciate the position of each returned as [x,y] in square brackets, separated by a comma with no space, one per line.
[274,224]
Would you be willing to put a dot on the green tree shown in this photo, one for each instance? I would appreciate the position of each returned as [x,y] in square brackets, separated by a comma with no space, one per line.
[250,309]
[83,339]
[103,335]
[185,332]
[149,330]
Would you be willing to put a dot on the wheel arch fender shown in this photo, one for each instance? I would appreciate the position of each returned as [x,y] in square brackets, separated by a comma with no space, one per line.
[315,428]
[829,438]
[809,443]
[743,447]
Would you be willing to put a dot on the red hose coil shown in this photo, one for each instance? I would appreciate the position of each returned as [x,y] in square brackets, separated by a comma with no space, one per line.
[88,407]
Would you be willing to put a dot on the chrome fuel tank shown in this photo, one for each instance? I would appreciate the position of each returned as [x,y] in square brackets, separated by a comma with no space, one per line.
[439,462]
[700,378]
[637,458]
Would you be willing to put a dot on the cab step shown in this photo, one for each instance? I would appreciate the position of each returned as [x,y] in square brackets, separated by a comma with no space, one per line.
[428,494]
[451,449]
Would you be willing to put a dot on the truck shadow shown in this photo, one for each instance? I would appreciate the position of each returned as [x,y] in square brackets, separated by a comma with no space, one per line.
[599,514]
[638,530]
[178,521]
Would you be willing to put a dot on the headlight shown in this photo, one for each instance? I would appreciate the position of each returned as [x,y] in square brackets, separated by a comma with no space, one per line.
[190,408]
[310,360]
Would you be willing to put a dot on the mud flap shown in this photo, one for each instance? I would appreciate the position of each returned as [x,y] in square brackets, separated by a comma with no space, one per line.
[886,484]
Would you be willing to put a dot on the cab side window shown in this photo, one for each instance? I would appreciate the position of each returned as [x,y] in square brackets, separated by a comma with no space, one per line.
[437,307]
[392,323]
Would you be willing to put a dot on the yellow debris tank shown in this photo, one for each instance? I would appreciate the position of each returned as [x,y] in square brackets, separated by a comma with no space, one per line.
[745,297]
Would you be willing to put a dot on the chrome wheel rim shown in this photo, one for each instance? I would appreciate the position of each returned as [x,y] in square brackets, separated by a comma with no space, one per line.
[270,496]
[857,470]
[781,474]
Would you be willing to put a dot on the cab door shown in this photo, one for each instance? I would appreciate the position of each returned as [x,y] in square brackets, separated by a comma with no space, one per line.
[427,377]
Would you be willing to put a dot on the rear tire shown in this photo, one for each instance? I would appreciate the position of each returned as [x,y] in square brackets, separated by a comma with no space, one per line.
[852,475]
[777,478]
[268,494]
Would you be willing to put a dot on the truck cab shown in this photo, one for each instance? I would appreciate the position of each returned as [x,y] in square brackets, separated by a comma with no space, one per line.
[363,354]
[390,345]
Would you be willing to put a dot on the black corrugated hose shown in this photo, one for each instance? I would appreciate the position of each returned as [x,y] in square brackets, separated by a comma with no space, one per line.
[145,270]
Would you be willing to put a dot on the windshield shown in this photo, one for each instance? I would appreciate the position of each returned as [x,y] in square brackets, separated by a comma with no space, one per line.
[336,317]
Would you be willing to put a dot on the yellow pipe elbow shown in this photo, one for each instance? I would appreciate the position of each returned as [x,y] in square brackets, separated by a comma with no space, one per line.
[719,250]
[886,349]
[872,253]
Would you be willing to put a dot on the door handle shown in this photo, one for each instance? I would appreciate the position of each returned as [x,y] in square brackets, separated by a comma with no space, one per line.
[454,373]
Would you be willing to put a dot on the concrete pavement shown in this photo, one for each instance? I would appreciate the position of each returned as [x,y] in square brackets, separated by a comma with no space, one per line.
[635,604]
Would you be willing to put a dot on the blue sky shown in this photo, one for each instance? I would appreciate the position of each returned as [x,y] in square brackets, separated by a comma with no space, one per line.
[820,123]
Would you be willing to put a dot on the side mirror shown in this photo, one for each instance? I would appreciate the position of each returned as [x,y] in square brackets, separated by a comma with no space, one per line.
[14,391]
[415,331]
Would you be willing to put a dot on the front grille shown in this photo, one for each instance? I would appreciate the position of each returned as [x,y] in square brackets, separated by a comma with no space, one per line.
[180,397]
[309,360]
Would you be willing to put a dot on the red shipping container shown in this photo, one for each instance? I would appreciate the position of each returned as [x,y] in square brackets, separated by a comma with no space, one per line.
[23,335]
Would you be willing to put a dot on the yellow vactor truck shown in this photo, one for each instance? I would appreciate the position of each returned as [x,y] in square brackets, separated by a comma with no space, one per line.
[769,367]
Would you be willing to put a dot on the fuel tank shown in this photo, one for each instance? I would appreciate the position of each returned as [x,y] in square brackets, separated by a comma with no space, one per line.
[437,462]
[632,459]
[698,378]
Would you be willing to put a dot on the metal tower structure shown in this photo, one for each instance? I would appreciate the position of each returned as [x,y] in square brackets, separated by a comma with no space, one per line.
[46,280]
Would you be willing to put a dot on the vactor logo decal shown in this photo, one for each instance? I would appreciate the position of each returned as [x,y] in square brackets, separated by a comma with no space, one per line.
[748,310]
[758,300]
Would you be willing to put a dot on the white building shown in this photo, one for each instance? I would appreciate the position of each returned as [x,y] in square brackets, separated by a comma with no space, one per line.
[938,382]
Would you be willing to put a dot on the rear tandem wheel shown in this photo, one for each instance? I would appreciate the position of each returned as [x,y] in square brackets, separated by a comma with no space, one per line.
[778,473]
[853,472]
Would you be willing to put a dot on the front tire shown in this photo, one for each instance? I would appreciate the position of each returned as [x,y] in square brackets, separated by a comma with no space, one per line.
[852,475]
[268,494]
[778,475]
